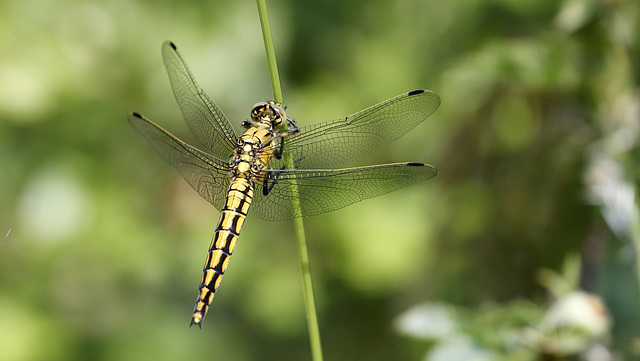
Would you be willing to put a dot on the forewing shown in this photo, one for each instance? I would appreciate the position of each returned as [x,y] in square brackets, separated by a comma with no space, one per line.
[208,175]
[206,121]
[321,191]
[333,143]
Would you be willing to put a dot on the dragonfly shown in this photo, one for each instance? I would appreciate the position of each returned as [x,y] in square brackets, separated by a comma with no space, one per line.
[279,169]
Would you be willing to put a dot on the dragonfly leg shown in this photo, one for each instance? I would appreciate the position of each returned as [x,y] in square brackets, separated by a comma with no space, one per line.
[278,152]
[293,129]
[266,188]
[293,125]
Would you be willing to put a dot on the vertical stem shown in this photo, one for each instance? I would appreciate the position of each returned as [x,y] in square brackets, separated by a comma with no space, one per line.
[307,284]
[271,53]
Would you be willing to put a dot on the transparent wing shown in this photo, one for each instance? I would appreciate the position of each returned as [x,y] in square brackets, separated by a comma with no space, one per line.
[335,142]
[323,191]
[208,175]
[206,121]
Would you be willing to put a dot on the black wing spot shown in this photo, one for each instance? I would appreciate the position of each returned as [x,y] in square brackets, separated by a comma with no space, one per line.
[415,164]
[173,45]
[416,92]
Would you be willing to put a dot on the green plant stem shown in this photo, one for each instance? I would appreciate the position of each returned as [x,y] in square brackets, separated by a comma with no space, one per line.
[298,224]
[271,53]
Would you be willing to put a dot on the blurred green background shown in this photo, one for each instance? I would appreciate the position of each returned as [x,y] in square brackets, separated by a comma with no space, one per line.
[536,142]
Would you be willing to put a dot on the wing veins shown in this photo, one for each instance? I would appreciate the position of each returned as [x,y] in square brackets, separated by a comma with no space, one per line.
[206,174]
[204,118]
[325,190]
[345,139]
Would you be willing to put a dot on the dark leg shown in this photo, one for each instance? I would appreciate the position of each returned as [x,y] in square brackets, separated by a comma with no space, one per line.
[266,187]
[293,129]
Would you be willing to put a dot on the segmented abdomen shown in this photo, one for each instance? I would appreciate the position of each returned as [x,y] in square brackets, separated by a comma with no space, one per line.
[222,245]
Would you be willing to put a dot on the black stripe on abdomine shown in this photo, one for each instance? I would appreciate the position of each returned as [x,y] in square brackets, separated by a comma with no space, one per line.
[211,286]
[244,191]
[218,267]
[241,206]
[227,244]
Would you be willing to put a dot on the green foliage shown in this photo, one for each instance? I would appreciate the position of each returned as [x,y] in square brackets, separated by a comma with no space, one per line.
[575,324]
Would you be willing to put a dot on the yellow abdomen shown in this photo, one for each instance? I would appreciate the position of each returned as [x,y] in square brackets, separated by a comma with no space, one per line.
[252,154]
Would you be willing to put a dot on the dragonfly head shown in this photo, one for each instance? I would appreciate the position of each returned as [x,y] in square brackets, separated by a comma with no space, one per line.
[269,114]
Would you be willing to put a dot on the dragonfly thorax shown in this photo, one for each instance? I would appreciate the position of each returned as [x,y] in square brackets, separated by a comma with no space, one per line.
[268,114]
[253,151]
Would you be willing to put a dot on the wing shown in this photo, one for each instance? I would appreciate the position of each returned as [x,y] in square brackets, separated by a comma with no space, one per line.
[332,143]
[206,121]
[321,191]
[208,175]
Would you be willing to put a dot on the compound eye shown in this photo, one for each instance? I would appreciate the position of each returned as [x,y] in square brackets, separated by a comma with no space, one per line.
[278,114]
[258,109]
[278,110]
